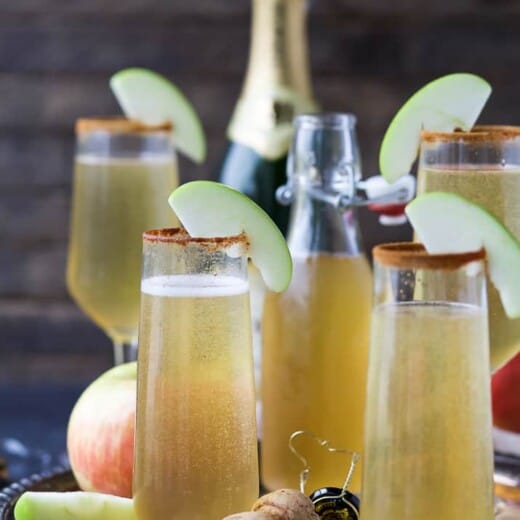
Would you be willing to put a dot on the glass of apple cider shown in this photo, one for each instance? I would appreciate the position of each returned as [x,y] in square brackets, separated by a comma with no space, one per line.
[482,165]
[428,447]
[196,440]
[123,174]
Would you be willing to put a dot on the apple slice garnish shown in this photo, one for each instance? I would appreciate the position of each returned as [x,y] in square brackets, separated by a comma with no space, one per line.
[450,102]
[449,223]
[75,505]
[209,209]
[151,98]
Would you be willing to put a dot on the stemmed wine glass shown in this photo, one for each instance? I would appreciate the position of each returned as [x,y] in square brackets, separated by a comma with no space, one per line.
[124,172]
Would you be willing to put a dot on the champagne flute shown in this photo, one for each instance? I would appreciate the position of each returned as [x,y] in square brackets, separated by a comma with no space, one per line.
[483,166]
[428,448]
[196,439]
[124,171]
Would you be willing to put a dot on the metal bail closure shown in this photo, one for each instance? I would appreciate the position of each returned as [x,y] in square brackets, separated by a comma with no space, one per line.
[330,503]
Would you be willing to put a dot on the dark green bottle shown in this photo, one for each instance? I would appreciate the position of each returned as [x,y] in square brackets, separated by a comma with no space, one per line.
[276,89]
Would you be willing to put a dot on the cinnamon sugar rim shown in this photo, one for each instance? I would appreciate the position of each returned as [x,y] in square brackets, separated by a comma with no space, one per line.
[479,133]
[180,236]
[118,125]
[411,255]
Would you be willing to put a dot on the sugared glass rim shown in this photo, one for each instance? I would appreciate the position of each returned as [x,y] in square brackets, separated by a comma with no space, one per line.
[118,125]
[179,236]
[478,134]
[412,255]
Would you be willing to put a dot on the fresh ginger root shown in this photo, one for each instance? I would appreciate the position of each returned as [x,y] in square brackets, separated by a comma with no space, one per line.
[283,504]
[286,504]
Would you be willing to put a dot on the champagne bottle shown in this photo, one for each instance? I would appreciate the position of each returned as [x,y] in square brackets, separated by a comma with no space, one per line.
[276,89]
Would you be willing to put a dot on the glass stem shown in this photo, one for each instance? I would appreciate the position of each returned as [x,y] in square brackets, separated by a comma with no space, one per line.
[124,351]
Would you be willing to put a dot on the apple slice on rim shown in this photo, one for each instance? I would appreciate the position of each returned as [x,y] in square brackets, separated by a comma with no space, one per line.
[450,102]
[449,223]
[151,98]
[209,209]
[75,505]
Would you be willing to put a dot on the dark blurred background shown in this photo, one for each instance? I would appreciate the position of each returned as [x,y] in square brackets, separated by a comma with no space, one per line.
[55,60]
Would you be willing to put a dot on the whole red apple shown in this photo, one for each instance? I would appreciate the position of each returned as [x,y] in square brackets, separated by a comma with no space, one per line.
[505,391]
[100,435]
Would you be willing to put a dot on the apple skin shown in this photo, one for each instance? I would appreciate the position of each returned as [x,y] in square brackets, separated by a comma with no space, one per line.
[505,392]
[100,434]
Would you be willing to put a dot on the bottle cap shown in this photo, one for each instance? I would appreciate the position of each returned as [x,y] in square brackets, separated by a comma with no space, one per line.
[333,503]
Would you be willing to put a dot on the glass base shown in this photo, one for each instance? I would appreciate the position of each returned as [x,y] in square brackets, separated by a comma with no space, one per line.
[507,471]
[124,352]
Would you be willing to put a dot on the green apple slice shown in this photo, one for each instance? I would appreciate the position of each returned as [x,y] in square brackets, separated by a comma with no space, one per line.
[151,98]
[449,223]
[450,102]
[209,209]
[75,505]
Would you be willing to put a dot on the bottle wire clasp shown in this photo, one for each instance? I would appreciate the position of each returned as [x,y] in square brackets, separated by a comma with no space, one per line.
[375,192]
[304,474]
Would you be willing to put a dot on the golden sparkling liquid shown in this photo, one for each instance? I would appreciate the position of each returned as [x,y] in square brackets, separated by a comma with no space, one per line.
[315,343]
[196,442]
[428,449]
[114,202]
[498,191]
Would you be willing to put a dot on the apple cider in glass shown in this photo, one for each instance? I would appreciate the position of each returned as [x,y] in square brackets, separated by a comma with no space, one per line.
[407,340]
[484,167]
[196,440]
[322,336]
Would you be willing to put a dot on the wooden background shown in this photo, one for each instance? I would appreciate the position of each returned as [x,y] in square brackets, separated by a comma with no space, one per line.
[55,60]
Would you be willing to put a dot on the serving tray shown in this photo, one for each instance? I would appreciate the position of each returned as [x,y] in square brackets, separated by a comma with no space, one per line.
[62,479]
[58,479]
